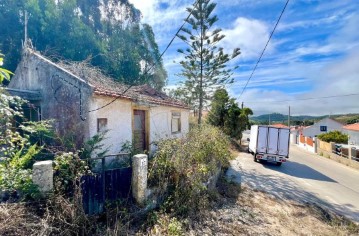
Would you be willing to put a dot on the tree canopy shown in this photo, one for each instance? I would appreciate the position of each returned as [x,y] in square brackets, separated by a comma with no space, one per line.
[205,64]
[226,114]
[108,33]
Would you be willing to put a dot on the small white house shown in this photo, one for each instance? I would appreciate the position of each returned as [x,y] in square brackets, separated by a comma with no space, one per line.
[323,126]
[83,102]
[353,132]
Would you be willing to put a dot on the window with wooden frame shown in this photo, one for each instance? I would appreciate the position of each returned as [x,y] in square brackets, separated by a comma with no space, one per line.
[101,124]
[176,122]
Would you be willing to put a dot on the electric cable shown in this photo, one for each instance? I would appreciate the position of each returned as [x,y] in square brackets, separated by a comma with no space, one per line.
[303,99]
[150,68]
[270,37]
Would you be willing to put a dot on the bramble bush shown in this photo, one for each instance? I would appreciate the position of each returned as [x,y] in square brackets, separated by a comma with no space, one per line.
[16,151]
[334,136]
[182,167]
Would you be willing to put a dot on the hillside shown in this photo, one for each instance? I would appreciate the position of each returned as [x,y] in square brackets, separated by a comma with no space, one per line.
[277,117]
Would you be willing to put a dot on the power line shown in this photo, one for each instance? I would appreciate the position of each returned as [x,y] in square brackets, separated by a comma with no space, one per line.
[270,37]
[150,68]
[313,98]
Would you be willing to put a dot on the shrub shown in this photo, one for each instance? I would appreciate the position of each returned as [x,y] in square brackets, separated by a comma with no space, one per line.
[334,136]
[68,170]
[181,167]
[16,152]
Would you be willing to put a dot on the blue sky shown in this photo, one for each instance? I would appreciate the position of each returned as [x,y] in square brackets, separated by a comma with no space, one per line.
[314,52]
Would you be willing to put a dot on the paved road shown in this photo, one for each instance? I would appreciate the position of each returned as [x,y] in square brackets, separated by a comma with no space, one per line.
[306,177]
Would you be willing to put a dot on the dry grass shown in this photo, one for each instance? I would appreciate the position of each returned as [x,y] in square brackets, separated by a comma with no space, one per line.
[234,211]
[19,219]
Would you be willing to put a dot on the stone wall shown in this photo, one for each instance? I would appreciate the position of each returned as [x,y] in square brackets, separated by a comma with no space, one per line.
[64,96]
[326,150]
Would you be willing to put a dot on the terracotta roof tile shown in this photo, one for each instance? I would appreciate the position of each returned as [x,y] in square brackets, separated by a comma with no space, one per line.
[279,126]
[106,86]
[354,127]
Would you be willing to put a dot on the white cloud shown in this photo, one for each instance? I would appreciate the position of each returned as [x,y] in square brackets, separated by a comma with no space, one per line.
[336,78]
[249,35]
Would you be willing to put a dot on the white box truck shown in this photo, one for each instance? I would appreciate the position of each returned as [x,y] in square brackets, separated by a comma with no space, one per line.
[269,144]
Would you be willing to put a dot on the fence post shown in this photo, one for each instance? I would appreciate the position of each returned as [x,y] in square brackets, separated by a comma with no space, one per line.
[332,147]
[139,178]
[42,176]
[352,153]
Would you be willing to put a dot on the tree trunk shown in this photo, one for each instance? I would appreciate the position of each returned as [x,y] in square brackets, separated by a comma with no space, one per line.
[200,108]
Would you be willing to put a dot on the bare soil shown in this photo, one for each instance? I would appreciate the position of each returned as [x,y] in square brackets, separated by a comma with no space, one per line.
[254,212]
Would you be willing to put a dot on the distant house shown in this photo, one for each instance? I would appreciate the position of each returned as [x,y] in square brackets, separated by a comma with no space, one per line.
[353,132]
[323,126]
[279,125]
[83,102]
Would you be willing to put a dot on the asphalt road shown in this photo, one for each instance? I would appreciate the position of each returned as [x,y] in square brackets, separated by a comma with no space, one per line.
[305,177]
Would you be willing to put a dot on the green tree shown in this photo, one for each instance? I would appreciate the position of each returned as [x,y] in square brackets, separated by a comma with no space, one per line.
[205,64]
[334,136]
[4,73]
[219,108]
[226,114]
[111,38]
[246,112]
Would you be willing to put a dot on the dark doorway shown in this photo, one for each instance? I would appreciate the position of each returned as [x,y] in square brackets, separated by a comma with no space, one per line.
[139,131]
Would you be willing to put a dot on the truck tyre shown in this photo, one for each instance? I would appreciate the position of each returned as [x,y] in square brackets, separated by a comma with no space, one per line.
[279,163]
[255,158]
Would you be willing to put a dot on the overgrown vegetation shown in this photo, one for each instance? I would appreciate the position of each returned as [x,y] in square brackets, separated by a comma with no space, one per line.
[334,136]
[182,168]
[4,73]
[16,151]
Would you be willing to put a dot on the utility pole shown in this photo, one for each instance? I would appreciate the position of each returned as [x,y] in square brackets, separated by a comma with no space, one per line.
[289,118]
[269,120]
[26,20]
[242,105]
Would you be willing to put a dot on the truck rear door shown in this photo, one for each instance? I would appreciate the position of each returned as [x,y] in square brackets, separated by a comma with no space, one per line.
[272,141]
[283,147]
[262,139]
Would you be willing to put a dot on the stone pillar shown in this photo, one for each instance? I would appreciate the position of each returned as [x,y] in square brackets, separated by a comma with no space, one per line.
[315,144]
[139,178]
[43,176]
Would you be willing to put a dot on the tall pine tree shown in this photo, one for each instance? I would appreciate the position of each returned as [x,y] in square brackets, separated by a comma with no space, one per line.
[204,66]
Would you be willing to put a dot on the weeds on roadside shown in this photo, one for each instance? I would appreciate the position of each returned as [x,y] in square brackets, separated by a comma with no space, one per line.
[182,168]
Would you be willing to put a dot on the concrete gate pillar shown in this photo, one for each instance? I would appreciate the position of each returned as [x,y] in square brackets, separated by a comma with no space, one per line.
[42,176]
[139,178]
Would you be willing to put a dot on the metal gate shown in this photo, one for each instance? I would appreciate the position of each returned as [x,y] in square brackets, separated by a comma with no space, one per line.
[110,183]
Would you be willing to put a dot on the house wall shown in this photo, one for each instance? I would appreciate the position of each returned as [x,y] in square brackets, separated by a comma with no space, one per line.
[314,130]
[160,123]
[60,92]
[353,136]
[119,116]
[119,121]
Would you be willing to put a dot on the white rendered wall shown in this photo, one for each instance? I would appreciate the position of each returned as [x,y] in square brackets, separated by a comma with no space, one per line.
[119,121]
[160,123]
[314,130]
[353,136]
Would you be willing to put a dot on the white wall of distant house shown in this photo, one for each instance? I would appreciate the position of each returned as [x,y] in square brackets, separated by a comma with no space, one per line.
[119,121]
[353,136]
[314,130]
